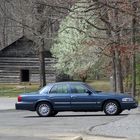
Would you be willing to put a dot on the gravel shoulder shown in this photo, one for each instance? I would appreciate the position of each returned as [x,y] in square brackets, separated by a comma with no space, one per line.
[128,127]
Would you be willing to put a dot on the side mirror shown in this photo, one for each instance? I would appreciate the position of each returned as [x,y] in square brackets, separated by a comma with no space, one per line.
[89,92]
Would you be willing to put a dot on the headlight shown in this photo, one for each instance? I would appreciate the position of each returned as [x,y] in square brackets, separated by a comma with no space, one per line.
[127,99]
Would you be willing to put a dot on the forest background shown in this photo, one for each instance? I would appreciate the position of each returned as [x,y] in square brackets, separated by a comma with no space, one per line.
[91,39]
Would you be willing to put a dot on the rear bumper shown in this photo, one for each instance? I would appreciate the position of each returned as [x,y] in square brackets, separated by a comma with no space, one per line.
[25,106]
[129,105]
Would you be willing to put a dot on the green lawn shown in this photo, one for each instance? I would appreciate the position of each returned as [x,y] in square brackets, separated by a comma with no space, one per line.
[100,85]
[12,90]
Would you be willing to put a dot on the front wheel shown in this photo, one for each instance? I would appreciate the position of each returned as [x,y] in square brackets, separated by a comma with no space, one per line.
[111,108]
[43,109]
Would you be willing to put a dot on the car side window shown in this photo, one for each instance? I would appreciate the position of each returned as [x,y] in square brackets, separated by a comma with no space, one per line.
[78,89]
[60,88]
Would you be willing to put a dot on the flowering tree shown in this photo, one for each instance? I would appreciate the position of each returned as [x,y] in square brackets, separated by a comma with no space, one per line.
[75,49]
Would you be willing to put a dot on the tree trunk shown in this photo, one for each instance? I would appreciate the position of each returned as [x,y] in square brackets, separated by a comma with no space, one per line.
[4,43]
[114,72]
[133,75]
[119,77]
[109,36]
[42,64]
[134,6]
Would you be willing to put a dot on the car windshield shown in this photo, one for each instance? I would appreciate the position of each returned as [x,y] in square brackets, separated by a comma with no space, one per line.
[43,90]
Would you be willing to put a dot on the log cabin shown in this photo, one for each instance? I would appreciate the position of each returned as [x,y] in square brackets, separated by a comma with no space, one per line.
[19,62]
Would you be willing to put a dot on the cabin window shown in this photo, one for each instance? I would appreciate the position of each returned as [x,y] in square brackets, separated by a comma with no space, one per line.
[25,76]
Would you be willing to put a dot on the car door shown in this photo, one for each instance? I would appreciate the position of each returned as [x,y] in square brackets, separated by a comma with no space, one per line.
[60,97]
[82,98]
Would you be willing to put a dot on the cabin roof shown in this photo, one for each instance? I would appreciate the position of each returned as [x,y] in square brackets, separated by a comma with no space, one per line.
[15,43]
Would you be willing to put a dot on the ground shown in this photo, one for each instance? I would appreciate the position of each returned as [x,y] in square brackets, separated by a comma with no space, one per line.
[26,125]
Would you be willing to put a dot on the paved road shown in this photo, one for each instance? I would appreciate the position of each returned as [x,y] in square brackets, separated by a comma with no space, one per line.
[7,103]
[24,125]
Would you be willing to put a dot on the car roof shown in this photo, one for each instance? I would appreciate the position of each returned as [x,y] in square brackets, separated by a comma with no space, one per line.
[67,82]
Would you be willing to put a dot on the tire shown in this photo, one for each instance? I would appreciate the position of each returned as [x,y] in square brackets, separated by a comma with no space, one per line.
[111,108]
[44,109]
[53,113]
[120,111]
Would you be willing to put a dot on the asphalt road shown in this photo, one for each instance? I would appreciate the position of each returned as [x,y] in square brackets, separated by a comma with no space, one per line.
[24,125]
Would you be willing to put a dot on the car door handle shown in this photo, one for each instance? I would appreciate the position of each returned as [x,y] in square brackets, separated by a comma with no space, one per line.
[73,96]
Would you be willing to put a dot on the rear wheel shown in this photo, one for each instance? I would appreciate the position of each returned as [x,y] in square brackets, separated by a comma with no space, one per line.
[43,109]
[111,108]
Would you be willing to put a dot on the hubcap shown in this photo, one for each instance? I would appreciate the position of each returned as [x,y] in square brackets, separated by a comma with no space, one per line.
[44,109]
[111,108]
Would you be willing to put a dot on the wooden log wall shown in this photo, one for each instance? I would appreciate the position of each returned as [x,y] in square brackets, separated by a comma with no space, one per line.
[10,69]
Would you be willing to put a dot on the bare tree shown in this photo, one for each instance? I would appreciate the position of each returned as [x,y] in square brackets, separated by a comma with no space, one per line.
[134,28]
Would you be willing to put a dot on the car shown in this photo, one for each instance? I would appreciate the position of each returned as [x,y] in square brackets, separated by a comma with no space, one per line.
[74,96]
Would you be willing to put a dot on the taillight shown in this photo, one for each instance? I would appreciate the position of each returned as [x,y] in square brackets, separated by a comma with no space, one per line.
[19,98]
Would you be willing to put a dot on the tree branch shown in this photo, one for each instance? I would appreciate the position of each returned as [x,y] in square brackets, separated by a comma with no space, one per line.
[81,31]
[93,25]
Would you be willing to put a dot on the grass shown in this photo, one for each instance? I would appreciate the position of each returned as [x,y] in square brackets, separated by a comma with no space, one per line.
[100,85]
[13,90]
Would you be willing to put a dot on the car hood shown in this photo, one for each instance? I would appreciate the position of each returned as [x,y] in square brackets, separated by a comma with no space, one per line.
[113,94]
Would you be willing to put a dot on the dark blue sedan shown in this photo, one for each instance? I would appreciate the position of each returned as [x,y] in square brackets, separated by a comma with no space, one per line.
[73,96]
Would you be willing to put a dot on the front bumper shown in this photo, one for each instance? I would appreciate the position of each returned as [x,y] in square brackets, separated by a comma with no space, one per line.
[25,106]
[129,105]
